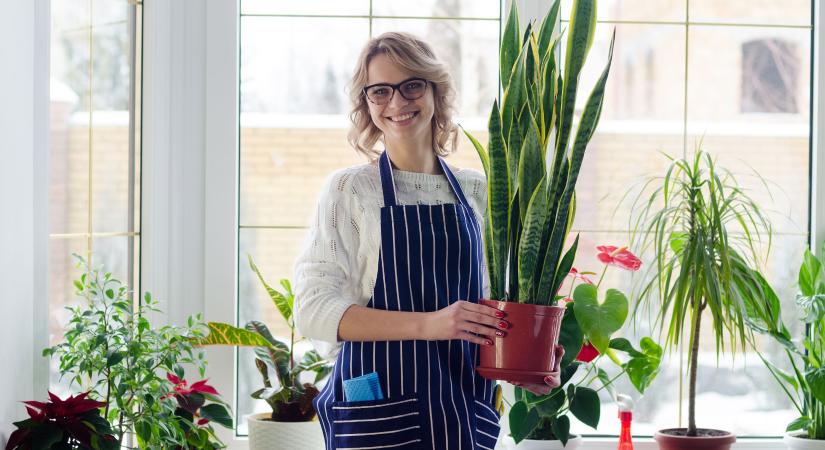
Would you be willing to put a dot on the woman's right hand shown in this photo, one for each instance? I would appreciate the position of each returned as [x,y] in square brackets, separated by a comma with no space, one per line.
[467,321]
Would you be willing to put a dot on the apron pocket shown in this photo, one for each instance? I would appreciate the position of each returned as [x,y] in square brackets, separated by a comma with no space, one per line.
[487,427]
[390,423]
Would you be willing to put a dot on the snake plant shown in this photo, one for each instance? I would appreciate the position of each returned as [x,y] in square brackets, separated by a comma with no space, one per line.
[531,194]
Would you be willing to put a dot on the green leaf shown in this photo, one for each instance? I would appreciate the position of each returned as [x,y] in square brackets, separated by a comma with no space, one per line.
[585,406]
[623,345]
[815,378]
[282,302]
[809,274]
[561,428]
[113,358]
[549,405]
[642,369]
[534,224]
[47,435]
[606,382]
[498,198]
[522,421]
[800,423]
[599,321]
[217,413]
[570,336]
[143,431]
[226,334]
[510,45]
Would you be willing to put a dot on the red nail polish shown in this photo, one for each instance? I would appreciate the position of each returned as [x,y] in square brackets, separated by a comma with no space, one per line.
[499,314]
[502,325]
[488,342]
[499,333]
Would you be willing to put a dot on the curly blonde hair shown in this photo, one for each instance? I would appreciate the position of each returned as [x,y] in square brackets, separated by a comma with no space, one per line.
[418,58]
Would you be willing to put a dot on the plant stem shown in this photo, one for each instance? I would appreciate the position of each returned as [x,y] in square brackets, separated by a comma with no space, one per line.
[694,360]
[604,271]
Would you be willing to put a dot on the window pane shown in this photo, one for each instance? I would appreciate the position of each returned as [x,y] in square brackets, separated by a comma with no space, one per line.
[319,7]
[470,49]
[792,12]
[438,8]
[658,11]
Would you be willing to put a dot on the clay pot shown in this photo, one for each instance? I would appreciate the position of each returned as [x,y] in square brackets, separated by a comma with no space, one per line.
[526,353]
[674,439]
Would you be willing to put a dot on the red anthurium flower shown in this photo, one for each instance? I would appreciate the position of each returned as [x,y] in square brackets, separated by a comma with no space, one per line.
[581,275]
[587,353]
[567,300]
[202,422]
[619,257]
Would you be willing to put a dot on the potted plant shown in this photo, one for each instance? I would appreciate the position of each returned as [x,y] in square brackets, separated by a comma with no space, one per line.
[805,386]
[541,421]
[111,349]
[292,422]
[531,204]
[73,423]
[702,271]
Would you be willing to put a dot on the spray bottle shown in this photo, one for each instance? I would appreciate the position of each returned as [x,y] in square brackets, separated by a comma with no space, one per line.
[626,416]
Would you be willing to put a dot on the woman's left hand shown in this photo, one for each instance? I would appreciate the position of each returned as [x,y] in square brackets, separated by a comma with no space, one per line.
[551,381]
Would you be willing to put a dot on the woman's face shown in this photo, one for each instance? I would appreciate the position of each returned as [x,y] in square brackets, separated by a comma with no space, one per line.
[393,117]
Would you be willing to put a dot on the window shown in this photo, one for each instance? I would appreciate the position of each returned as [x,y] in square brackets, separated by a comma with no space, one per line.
[770,72]
[94,184]
[296,59]
[694,88]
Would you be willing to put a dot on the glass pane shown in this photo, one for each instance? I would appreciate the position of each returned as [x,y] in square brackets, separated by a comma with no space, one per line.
[315,7]
[110,11]
[69,15]
[285,70]
[69,132]
[470,49]
[721,112]
[792,12]
[436,8]
[110,121]
[636,10]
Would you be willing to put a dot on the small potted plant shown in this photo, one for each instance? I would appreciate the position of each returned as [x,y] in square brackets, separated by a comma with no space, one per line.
[111,349]
[805,386]
[292,423]
[541,421]
[531,204]
[73,423]
[702,272]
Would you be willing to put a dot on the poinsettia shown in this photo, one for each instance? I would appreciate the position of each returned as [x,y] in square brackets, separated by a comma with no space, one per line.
[192,402]
[71,423]
[198,386]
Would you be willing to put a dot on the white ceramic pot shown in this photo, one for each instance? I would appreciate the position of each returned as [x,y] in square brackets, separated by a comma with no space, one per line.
[797,441]
[533,444]
[269,435]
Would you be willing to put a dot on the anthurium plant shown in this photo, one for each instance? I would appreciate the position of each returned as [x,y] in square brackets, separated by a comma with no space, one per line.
[73,423]
[533,158]
[586,335]
[290,399]
[111,349]
[805,385]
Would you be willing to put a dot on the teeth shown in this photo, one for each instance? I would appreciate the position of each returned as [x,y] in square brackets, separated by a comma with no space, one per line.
[400,118]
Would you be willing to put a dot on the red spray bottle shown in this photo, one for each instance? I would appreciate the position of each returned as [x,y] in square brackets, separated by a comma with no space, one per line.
[625,416]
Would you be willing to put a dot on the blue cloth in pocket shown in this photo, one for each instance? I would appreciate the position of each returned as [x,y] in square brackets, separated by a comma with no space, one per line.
[363,388]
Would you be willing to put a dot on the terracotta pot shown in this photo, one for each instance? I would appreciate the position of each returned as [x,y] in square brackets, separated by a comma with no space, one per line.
[799,441]
[667,440]
[534,444]
[526,354]
[269,435]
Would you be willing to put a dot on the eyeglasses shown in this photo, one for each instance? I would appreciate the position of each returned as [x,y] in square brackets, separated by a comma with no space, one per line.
[410,89]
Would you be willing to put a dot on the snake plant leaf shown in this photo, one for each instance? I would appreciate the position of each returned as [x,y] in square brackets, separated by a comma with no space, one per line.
[498,204]
[514,104]
[514,236]
[282,302]
[582,28]
[548,98]
[547,30]
[510,45]
[599,320]
[482,152]
[535,217]
[530,171]
[226,334]
[564,269]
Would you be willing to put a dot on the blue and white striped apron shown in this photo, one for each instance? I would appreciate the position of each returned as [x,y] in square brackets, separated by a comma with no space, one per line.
[430,257]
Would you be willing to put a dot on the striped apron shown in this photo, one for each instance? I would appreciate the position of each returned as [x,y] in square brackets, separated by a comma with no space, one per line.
[430,257]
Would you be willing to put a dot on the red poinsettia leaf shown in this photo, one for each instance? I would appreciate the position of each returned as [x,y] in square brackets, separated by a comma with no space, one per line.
[172,378]
[54,398]
[202,422]
[201,386]
[39,405]
[17,437]
[35,415]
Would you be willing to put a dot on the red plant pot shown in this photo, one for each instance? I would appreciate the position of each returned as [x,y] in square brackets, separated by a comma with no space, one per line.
[526,353]
[708,439]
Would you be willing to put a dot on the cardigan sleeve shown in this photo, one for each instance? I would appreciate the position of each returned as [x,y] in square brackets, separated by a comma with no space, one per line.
[326,284]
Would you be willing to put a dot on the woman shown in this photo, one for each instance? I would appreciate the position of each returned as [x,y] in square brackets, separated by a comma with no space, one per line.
[394,267]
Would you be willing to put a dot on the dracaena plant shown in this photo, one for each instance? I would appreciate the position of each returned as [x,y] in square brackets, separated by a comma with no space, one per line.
[112,349]
[705,233]
[73,423]
[290,399]
[586,331]
[532,159]
[805,385]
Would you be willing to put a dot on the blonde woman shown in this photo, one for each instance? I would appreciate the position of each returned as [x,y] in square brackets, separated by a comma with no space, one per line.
[393,268]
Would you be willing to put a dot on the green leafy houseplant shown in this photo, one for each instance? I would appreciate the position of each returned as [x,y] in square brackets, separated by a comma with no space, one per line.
[805,387]
[586,337]
[291,400]
[703,230]
[111,349]
[530,203]
[73,423]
